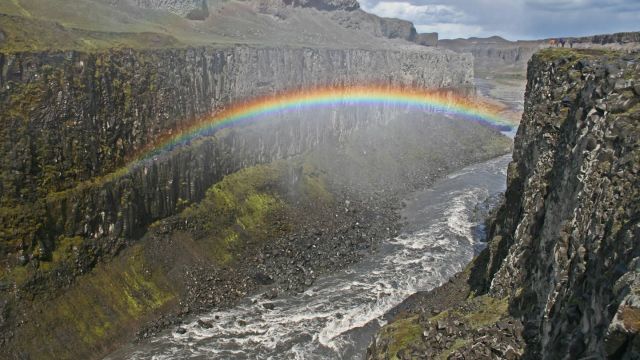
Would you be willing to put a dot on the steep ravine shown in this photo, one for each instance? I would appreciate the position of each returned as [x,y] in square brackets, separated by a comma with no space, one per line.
[76,279]
[559,278]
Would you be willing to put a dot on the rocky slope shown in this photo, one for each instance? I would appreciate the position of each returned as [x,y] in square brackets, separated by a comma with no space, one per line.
[90,25]
[190,9]
[559,278]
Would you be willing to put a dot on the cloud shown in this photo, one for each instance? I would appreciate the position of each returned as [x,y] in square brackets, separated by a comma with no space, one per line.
[420,14]
[583,5]
[513,19]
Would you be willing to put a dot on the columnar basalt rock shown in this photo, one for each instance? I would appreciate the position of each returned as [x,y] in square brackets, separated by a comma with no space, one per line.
[74,205]
[570,234]
[73,118]
[563,248]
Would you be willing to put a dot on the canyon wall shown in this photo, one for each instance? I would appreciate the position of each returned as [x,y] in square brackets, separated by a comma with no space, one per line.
[495,55]
[566,241]
[560,277]
[73,118]
[73,206]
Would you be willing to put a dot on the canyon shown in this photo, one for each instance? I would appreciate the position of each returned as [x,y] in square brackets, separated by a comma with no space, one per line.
[111,243]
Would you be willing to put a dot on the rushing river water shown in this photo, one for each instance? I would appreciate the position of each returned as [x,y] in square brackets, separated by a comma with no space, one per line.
[337,317]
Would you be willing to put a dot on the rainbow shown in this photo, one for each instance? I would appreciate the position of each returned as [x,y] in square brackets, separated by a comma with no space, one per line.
[259,109]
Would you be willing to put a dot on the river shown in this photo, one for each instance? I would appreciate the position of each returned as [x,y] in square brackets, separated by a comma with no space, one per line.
[337,317]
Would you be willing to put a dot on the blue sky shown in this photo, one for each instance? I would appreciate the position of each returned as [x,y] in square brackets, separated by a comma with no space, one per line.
[512,19]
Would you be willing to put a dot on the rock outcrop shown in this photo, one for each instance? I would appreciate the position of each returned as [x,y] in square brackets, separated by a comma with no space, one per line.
[566,240]
[605,39]
[563,249]
[495,53]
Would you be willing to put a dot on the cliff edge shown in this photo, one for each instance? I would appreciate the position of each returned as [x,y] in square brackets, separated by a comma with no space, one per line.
[560,276]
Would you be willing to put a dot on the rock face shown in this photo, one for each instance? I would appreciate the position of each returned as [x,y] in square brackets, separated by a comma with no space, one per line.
[86,113]
[566,240]
[495,52]
[73,120]
[378,26]
[563,249]
[617,38]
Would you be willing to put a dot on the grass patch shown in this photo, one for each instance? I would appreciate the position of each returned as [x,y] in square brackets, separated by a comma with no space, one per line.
[403,333]
[238,209]
[251,205]
[100,306]
[489,310]
[27,34]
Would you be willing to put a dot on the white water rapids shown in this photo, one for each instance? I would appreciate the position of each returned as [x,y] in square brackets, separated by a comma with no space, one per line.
[337,317]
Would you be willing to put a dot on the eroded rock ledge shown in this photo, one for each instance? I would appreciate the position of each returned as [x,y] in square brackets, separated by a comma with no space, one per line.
[559,278]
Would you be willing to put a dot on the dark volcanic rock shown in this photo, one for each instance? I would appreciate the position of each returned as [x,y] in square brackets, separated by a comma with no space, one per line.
[563,250]
[566,241]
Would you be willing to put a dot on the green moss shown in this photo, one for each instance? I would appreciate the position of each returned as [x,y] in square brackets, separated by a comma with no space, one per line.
[237,210]
[64,251]
[572,56]
[440,316]
[102,305]
[489,310]
[315,186]
[401,334]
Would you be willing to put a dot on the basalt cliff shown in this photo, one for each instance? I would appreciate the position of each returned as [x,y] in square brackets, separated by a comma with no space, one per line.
[95,251]
[559,276]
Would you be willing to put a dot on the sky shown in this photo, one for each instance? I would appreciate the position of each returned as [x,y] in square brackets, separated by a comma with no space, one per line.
[512,19]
